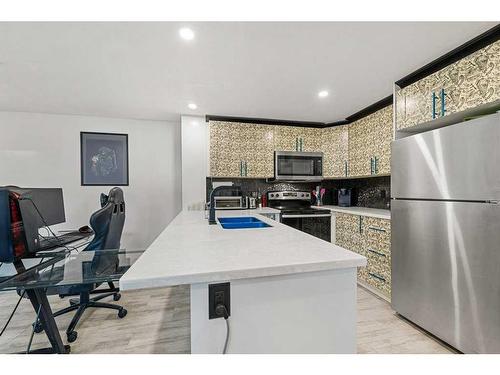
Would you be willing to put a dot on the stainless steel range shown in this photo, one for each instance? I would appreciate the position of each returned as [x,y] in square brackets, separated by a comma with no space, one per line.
[296,211]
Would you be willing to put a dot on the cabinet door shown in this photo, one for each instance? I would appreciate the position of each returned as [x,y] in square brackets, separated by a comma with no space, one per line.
[360,148]
[349,232]
[225,155]
[468,83]
[295,138]
[310,139]
[335,151]
[473,80]
[415,103]
[381,121]
[285,139]
[257,149]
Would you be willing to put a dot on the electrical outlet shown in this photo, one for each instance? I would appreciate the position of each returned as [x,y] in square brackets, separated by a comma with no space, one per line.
[218,294]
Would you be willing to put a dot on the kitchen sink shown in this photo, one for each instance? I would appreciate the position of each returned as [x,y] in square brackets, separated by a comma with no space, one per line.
[241,222]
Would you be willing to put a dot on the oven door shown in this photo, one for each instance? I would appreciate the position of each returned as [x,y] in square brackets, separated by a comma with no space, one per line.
[317,225]
[298,166]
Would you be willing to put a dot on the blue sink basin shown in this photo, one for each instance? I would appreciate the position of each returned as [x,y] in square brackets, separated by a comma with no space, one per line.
[242,222]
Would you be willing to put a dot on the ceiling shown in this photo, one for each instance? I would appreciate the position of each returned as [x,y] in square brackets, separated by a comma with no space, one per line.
[265,70]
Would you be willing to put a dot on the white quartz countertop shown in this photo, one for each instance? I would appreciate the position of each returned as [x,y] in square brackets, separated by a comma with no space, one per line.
[373,212]
[190,251]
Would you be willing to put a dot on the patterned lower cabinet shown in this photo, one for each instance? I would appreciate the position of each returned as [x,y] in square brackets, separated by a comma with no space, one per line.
[370,237]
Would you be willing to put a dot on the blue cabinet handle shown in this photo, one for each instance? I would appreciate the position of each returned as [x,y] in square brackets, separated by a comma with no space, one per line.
[434,99]
[376,276]
[443,102]
[377,229]
[345,167]
[371,165]
[376,252]
[296,144]
[375,166]
[246,169]
[241,167]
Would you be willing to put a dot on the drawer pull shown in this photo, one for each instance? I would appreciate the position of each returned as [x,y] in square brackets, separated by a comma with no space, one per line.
[377,229]
[376,252]
[376,276]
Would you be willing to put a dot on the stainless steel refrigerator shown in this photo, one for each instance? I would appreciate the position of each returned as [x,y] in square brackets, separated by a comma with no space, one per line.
[446,232]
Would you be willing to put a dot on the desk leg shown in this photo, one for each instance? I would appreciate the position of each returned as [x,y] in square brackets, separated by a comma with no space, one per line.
[38,298]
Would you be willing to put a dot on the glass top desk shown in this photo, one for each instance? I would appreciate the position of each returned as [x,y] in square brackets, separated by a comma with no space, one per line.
[40,275]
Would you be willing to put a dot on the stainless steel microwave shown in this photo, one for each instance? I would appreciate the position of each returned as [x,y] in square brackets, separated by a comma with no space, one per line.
[298,166]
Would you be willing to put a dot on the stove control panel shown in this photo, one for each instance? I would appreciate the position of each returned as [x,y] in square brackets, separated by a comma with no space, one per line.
[289,195]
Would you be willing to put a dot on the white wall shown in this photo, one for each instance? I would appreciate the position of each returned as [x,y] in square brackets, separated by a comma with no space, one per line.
[43,150]
[194,161]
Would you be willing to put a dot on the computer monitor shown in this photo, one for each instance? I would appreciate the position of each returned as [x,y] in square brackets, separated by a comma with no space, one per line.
[50,204]
[23,211]
[40,207]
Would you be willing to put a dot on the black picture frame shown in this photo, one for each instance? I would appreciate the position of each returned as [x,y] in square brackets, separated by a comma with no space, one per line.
[112,148]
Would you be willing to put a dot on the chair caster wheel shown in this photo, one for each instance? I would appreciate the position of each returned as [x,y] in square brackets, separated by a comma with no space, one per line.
[122,313]
[38,327]
[72,336]
[117,296]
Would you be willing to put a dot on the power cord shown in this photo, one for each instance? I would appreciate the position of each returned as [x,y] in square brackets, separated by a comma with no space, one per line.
[221,310]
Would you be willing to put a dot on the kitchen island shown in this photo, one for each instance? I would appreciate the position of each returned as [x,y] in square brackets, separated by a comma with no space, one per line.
[290,292]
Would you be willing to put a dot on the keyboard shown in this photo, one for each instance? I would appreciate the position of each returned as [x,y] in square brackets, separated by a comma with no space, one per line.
[61,240]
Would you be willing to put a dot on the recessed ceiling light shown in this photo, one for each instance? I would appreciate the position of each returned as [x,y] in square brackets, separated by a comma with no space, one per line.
[186,33]
[323,94]
[192,106]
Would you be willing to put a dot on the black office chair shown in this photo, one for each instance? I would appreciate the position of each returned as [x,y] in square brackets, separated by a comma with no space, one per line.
[107,224]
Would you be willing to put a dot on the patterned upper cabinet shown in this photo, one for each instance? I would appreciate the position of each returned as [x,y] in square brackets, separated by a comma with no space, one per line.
[295,138]
[360,148]
[369,139]
[225,158]
[382,137]
[233,143]
[335,151]
[468,83]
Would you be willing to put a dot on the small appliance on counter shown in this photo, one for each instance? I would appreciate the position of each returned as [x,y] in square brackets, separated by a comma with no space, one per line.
[345,198]
[229,203]
[331,197]
[250,202]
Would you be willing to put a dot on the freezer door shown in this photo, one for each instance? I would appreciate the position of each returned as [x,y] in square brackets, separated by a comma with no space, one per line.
[446,270]
[459,162]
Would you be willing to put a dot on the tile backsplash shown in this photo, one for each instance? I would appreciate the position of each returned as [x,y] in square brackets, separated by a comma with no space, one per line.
[373,192]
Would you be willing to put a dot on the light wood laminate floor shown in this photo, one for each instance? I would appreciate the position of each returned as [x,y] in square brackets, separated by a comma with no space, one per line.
[158,322]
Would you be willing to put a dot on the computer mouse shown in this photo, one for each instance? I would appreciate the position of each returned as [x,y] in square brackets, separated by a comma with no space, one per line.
[85,229]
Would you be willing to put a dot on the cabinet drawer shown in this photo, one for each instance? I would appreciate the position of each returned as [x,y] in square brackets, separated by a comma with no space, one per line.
[377,230]
[378,282]
[378,256]
[378,272]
